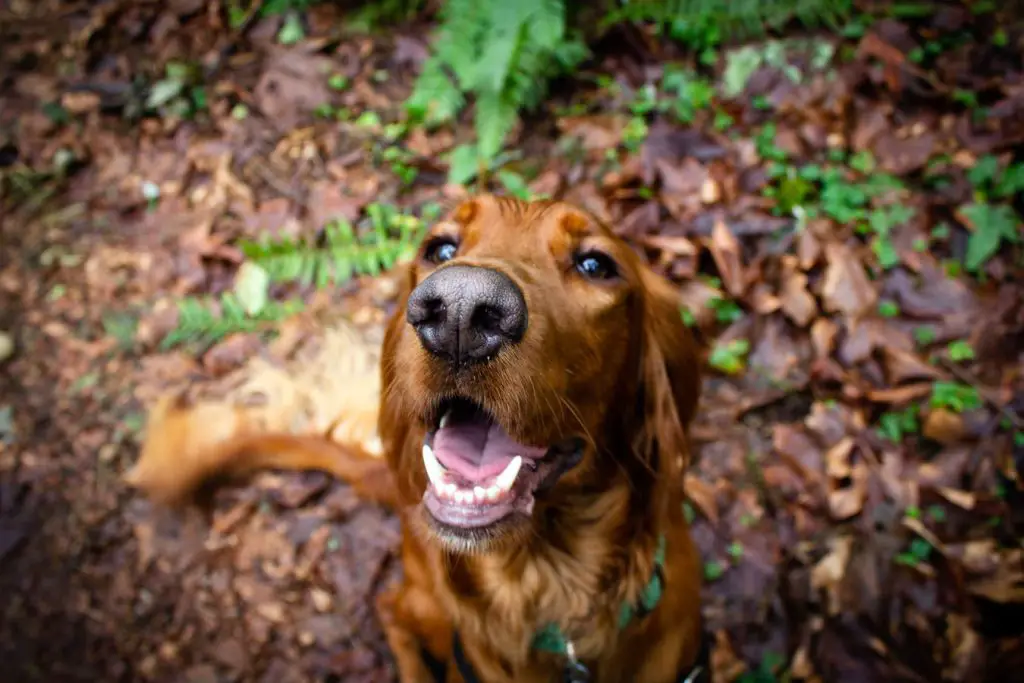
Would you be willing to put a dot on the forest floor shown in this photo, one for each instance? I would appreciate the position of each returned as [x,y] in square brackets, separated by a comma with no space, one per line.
[842,216]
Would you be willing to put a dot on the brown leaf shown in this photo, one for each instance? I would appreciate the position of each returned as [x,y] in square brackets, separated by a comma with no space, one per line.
[1006,585]
[726,251]
[230,353]
[797,303]
[902,365]
[294,84]
[847,502]
[899,396]
[902,155]
[680,186]
[328,202]
[808,249]
[846,288]
[823,337]
[702,494]
[762,301]
[595,132]
[848,481]
[837,459]
[274,218]
[964,499]
[828,573]
[944,426]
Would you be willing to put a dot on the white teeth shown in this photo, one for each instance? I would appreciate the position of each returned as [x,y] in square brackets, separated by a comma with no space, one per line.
[434,469]
[444,420]
[439,480]
[508,477]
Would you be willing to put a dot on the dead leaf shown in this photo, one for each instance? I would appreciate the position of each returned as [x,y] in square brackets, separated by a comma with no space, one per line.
[902,366]
[797,303]
[846,288]
[596,132]
[828,573]
[957,497]
[703,496]
[823,336]
[328,202]
[944,426]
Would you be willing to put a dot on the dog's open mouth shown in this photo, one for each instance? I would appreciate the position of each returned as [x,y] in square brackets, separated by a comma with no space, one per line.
[478,473]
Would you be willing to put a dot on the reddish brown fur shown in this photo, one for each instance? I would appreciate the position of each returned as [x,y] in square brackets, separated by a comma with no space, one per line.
[611,361]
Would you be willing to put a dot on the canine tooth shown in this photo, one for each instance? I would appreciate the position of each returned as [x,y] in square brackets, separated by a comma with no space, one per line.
[508,477]
[444,420]
[479,492]
[493,492]
[434,469]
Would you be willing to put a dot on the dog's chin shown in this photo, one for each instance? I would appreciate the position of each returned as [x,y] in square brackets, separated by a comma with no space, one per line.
[482,483]
[507,532]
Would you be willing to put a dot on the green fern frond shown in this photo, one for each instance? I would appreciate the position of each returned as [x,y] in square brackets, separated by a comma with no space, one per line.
[739,19]
[206,321]
[342,254]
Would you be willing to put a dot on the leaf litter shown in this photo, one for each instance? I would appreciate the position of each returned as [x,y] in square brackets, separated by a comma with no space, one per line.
[846,237]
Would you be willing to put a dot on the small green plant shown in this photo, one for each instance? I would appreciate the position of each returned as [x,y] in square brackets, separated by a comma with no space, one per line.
[992,226]
[689,93]
[917,553]
[959,351]
[735,550]
[767,671]
[504,55]
[515,184]
[888,309]
[730,358]
[341,253]
[206,321]
[726,310]
[893,426]
[713,570]
[179,93]
[121,327]
[954,396]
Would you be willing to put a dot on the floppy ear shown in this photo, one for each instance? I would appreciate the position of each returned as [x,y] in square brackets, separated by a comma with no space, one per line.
[669,381]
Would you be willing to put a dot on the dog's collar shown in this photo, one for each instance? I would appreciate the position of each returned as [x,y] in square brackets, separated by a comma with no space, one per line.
[551,639]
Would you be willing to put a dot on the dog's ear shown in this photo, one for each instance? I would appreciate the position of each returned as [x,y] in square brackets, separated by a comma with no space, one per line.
[669,380]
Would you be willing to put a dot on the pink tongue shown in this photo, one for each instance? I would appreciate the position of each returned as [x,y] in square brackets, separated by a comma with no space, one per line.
[477,451]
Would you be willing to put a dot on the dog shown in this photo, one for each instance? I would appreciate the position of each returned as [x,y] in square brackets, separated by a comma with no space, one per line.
[537,387]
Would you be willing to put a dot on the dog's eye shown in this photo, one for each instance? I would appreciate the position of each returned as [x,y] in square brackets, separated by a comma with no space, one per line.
[595,265]
[440,250]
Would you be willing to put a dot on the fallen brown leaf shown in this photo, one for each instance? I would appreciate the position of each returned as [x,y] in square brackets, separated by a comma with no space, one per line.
[944,426]
[846,288]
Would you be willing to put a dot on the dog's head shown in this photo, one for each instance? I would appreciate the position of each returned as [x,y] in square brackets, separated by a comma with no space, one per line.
[538,357]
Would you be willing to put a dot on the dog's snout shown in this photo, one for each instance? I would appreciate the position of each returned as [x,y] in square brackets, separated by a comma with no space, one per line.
[466,314]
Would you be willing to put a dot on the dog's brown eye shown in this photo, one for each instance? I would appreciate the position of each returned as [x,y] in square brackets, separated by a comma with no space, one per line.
[440,250]
[595,265]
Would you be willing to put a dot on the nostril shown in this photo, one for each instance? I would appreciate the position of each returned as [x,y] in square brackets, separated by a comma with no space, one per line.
[488,318]
[427,311]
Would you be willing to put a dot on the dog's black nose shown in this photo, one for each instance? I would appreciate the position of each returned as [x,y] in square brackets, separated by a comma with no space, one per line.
[465,314]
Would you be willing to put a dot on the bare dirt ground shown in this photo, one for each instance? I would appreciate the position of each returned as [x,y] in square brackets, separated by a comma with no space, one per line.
[857,496]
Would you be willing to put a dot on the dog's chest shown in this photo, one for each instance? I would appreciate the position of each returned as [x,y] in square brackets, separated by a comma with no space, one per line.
[517,604]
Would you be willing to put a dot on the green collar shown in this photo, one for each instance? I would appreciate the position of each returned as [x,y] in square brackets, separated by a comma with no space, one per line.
[551,639]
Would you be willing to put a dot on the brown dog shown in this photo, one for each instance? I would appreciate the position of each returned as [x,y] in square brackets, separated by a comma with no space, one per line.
[537,386]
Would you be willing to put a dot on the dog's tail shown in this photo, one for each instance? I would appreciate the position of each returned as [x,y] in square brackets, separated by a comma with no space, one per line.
[183,456]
